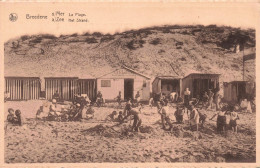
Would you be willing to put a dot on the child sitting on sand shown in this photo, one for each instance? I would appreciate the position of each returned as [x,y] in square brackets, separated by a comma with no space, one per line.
[10,116]
[19,120]
[90,112]
[120,117]
[111,117]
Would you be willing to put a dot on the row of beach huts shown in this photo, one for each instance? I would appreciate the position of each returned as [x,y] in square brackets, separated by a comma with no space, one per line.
[124,79]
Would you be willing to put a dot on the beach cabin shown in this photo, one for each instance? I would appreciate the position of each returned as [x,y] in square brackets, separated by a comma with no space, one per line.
[199,83]
[126,80]
[87,86]
[166,85]
[22,88]
[66,87]
[236,90]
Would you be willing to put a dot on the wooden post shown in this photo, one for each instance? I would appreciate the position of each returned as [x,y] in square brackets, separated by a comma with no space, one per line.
[243,66]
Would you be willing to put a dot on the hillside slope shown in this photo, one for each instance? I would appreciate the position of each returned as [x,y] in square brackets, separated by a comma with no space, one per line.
[168,50]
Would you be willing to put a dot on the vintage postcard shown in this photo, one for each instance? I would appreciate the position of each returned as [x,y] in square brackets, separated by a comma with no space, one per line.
[129,84]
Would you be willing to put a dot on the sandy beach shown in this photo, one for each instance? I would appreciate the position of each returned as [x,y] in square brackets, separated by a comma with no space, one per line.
[99,141]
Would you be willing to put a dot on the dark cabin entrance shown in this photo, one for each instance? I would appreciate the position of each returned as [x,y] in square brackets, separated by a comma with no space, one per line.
[241,91]
[202,85]
[128,88]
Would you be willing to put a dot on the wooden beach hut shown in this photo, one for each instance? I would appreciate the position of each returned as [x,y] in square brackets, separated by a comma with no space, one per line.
[66,87]
[22,88]
[87,86]
[199,83]
[166,85]
[126,80]
[236,90]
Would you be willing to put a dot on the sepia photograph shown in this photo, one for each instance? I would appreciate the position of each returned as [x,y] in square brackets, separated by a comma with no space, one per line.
[129,82]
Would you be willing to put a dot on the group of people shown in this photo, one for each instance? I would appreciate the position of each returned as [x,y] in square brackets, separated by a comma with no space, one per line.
[192,114]
[131,111]
[208,99]
[184,111]
[222,119]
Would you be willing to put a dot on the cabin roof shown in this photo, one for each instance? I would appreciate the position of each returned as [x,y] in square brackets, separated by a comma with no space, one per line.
[209,75]
[21,77]
[168,77]
[128,69]
[61,78]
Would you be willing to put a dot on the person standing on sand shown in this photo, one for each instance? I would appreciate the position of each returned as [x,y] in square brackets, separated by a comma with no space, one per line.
[119,98]
[186,97]
[233,119]
[194,118]
[217,99]
[127,107]
[137,98]
[205,99]
[221,120]
[211,94]
[179,114]
[164,112]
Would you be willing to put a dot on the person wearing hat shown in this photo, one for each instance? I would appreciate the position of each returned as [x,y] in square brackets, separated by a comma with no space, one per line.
[10,116]
[164,112]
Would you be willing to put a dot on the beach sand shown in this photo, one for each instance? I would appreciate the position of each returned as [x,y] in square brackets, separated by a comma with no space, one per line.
[100,141]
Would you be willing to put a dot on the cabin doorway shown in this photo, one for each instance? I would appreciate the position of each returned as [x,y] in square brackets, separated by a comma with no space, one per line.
[128,88]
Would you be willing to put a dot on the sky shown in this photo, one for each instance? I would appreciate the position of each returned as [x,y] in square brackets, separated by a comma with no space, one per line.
[108,17]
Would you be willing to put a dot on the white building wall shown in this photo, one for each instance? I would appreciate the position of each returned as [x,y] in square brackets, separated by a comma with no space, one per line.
[110,93]
[117,84]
